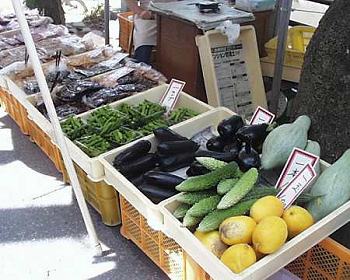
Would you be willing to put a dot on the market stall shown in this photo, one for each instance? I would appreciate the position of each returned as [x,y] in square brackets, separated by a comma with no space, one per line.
[207,193]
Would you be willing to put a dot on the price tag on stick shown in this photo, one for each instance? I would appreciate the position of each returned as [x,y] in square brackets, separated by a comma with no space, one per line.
[171,95]
[297,160]
[300,182]
[262,115]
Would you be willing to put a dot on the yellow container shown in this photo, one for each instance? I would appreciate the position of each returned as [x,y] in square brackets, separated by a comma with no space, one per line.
[297,41]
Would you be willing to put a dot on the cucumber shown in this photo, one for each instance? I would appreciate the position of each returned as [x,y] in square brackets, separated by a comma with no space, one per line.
[226,185]
[211,163]
[209,180]
[190,221]
[204,206]
[213,220]
[194,197]
[240,189]
[181,210]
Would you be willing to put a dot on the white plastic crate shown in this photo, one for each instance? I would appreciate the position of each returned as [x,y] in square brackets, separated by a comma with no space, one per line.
[269,264]
[93,166]
[144,205]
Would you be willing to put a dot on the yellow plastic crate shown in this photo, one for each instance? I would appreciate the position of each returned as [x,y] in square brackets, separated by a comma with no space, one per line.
[328,260]
[297,41]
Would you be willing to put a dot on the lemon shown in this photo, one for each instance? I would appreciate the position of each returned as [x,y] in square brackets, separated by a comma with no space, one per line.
[237,230]
[265,207]
[297,219]
[238,257]
[270,234]
[212,241]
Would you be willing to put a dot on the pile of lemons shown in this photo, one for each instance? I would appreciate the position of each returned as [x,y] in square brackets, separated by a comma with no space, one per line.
[242,240]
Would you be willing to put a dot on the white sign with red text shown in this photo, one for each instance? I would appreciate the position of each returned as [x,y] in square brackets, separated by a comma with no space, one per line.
[262,115]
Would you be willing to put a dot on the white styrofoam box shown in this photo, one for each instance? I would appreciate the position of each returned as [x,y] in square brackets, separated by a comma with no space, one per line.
[3,82]
[269,264]
[93,166]
[130,192]
[231,72]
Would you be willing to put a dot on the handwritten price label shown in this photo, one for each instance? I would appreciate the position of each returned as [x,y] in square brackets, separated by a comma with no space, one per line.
[297,160]
[262,115]
[290,193]
[172,94]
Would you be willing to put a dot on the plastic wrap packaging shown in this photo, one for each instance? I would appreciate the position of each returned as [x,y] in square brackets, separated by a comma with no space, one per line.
[73,92]
[103,96]
[255,5]
[147,71]
[110,79]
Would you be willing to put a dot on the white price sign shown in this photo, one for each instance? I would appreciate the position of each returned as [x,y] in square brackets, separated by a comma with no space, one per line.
[262,115]
[299,183]
[171,95]
[297,160]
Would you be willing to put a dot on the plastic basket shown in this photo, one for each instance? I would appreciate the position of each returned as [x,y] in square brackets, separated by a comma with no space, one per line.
[150,210]
[297,41]
[327,260]
[126,26]
[16,110]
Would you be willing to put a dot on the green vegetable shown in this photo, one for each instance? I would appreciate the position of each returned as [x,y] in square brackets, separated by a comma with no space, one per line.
[204,206]
[190,221]
[282,140]
[73,128]
[314,148]
[181,211]
[242,187]
[209,180]
[194,197]
[213,220]
[334,185]
[226,185]
[211,163]
[93,145]
[180,115]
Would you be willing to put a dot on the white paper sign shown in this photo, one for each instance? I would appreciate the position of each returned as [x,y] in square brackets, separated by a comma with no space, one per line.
[262,115]
[299,183]
[297,160]
[171,95]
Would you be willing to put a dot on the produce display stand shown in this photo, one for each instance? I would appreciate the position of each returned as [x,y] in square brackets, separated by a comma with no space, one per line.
[17,5]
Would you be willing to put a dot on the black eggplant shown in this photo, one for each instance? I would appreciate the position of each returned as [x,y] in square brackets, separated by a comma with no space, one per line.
[216,144]
[138,166]
[228,127]
[248,158]
[227,157]
[175,162]
[162,179]
[137,150]
[234,147]
[176,147]
[154,192]
[196,169]
[257,134]
[165,134]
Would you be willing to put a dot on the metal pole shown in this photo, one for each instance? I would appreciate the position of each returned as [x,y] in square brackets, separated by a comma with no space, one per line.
[284,16]
[107,22]
[39,74]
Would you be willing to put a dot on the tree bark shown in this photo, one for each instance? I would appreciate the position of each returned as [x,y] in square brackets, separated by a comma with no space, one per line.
[324,89]
[53,9]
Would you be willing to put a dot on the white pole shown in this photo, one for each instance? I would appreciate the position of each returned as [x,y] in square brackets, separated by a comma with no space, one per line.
[33,56]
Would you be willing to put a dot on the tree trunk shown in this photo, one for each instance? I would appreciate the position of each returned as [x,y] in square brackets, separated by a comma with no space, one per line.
[53,9]
[324,89]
